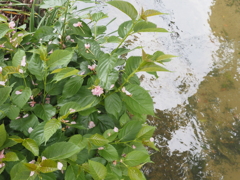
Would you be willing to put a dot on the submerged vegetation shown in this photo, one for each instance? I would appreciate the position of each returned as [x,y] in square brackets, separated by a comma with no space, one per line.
[70,108]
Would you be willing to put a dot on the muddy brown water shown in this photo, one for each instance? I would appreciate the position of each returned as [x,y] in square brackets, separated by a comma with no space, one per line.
[197,104]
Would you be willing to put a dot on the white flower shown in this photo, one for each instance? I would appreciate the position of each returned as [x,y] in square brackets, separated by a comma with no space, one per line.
[23,62]
[123,89]
[11,25]
[30,130]
[100,148]
[43,158]
[134,147]
[68,37]
[72,110]
[20,70]
[151,139]
[2,83]
[32,162]
[112,86]
[0,69]
[59,165]
[91,125]
[32,173]
[73,122]
[26,115]
[115,129]
[18,92]
[87,46]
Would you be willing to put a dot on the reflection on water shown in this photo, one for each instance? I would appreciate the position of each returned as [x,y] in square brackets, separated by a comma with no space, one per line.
[200,138]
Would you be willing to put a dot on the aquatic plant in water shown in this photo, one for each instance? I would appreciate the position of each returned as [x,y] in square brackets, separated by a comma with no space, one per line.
[66,111]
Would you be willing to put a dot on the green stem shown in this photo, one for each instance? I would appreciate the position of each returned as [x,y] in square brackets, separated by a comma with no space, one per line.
[64,23]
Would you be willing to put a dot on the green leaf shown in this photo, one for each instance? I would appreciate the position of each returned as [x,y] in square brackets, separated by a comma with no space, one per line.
[99,30]
[97,170]
[132,64]
[31,145]
[5,91]
[83,31]
[164,57]
[94,51]
[98,140]
[113,39]
[113,104]
[125,7]
[13,112]
[151,67]
[35,66]
[135,158]
[44,33]
[110,134]
[125,28]
[105,66]
[98,16]
[153,30]
[139,101]
[52,3]
[72,86]
[20,172]
[23,124]
[9,142]
[59,58]
[152,12]
[60,150]
[3,18]
[17,58]
[124,119]
[3,134]
[109,153]
[143,25]
[11,156]
[47,166]
[3,29]
[50,128]
[134,173]
[64,73]
[10,70]
[72,172]
[38,133]
[130,130]
[146,132]
[45,112]
[21,99]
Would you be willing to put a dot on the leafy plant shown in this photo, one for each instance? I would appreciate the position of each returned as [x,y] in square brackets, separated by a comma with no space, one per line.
[66,110]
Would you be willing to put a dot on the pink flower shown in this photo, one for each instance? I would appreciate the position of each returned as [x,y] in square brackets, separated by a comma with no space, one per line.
[78,24]
[18,92]
[33,83]
[97,91]
[68,37]
[0,69]
[32,103]
[72,110]
[2,165]
[11,25]
[18,117]
[32,162]
[2,83]
[151,139]
[32,173]
[123,89]
[112,86]
[100,148]
[20,70]
[21,34]
[2,46]
[50,52]
[114,163]
[23,62]
[91,125]
[43,158]
[26,115]
[73,122]
[92,68]
[126,92]
[1,154]
[134,147]
[59,165]
[87,46]
[72,40]
[30,130]
[115,129]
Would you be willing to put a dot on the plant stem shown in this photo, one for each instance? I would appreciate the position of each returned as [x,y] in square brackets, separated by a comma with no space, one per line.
[64,23]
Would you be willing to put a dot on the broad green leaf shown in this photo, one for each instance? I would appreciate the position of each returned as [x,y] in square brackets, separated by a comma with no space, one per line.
[3,134]
[31,145]
[21,99]
[45,112]
[20,172]
[3,29]
[44,33]
[3,18]
[93,52]
[109,153]
[135,174]
[150,144]
[9,142]
[151,67]
[105,66]
[42,51]
[125,7]
[72,86]
[10,70]
[38,133]
[13,112]
[125,28]
[11,156]
[52,3]
[72,172]
[139,101]
[146,132]
[83,31]
[113,39]
[110,134]
[130,130]
[164,57]
[35,66]
[111,79]
[143,25]
[98,16]
[98,140]
[133,64]
[23,124]
[55,88]
[59,58]
[5,91]
[98,30]
[60,150]
[18,57]
[64,73]
[153,30]
[47,166]
[113,104]
[50,128]
[152,12]
[124,119]
[4,110]
[97,170]
[135,158]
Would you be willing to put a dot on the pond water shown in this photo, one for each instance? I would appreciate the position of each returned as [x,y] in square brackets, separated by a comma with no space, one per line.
[197,105]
